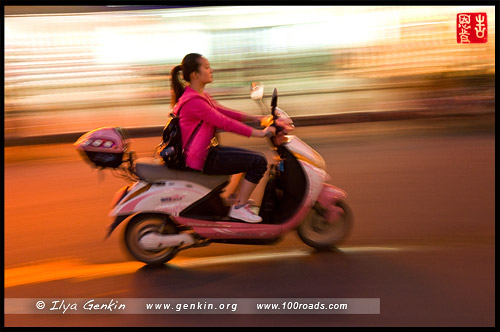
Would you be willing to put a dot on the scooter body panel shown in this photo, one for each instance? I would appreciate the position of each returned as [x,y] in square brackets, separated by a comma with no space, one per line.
[314,182]
[231,229]
[169,197]
[304,152]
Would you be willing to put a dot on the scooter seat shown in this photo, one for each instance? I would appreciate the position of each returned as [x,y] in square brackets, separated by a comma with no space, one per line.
[153,170]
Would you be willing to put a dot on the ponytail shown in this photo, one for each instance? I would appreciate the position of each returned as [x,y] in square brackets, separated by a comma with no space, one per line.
[190,64]
[176,86]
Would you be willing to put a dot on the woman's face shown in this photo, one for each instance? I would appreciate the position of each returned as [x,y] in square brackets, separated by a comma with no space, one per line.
[204,74]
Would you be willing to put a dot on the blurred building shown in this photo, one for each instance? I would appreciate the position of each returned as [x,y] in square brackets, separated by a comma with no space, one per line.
[76,71]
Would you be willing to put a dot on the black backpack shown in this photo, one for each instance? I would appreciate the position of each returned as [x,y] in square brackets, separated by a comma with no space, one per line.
[171,147]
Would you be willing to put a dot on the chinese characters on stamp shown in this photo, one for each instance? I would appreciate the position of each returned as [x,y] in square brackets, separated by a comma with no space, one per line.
[472,28]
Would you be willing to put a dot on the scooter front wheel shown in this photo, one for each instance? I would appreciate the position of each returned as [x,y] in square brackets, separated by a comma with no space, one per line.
[144,224]
[321,234]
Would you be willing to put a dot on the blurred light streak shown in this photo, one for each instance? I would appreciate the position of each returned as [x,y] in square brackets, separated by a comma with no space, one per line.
[74,268]
[59,66]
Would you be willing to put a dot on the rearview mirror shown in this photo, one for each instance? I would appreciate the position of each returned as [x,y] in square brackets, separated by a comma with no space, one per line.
[257,91]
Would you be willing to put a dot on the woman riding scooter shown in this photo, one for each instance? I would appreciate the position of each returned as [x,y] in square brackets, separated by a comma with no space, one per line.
[166,210]
[196,105]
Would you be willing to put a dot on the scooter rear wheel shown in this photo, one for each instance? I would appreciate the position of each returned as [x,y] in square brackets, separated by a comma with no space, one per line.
[142,225]
[320,234]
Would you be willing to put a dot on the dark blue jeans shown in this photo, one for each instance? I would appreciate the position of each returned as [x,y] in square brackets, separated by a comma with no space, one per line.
[223,160]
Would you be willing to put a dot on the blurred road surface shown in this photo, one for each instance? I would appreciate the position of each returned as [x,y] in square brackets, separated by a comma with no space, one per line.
[423,197]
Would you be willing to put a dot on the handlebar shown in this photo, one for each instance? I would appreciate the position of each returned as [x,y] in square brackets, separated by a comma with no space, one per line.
[270,121]
[276,113]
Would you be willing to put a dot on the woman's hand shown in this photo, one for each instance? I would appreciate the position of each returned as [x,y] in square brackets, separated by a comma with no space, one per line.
[266,120]
[266,132]
[269,131]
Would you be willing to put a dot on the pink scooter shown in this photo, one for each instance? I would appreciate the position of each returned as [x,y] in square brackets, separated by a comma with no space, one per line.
[166,210]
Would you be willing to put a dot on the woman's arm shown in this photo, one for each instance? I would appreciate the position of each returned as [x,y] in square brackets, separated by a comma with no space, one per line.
[200,108]
[234,114]
[203,110]
[268,131]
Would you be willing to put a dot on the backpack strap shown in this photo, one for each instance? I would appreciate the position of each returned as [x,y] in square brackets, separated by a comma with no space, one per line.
[188,143]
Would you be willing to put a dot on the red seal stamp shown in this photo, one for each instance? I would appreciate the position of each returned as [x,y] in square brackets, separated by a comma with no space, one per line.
[472,28]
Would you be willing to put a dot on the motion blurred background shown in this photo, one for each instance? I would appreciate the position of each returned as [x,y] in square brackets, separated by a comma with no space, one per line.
[76,68]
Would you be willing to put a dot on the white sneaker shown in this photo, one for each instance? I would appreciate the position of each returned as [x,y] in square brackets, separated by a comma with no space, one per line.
[244,213]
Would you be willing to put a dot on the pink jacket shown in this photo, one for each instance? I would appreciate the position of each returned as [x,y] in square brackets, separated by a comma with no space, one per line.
[196,108]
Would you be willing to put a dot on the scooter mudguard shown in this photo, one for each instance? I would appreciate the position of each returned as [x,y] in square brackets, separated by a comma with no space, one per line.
[328,198]
[118,220]
[330,194]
